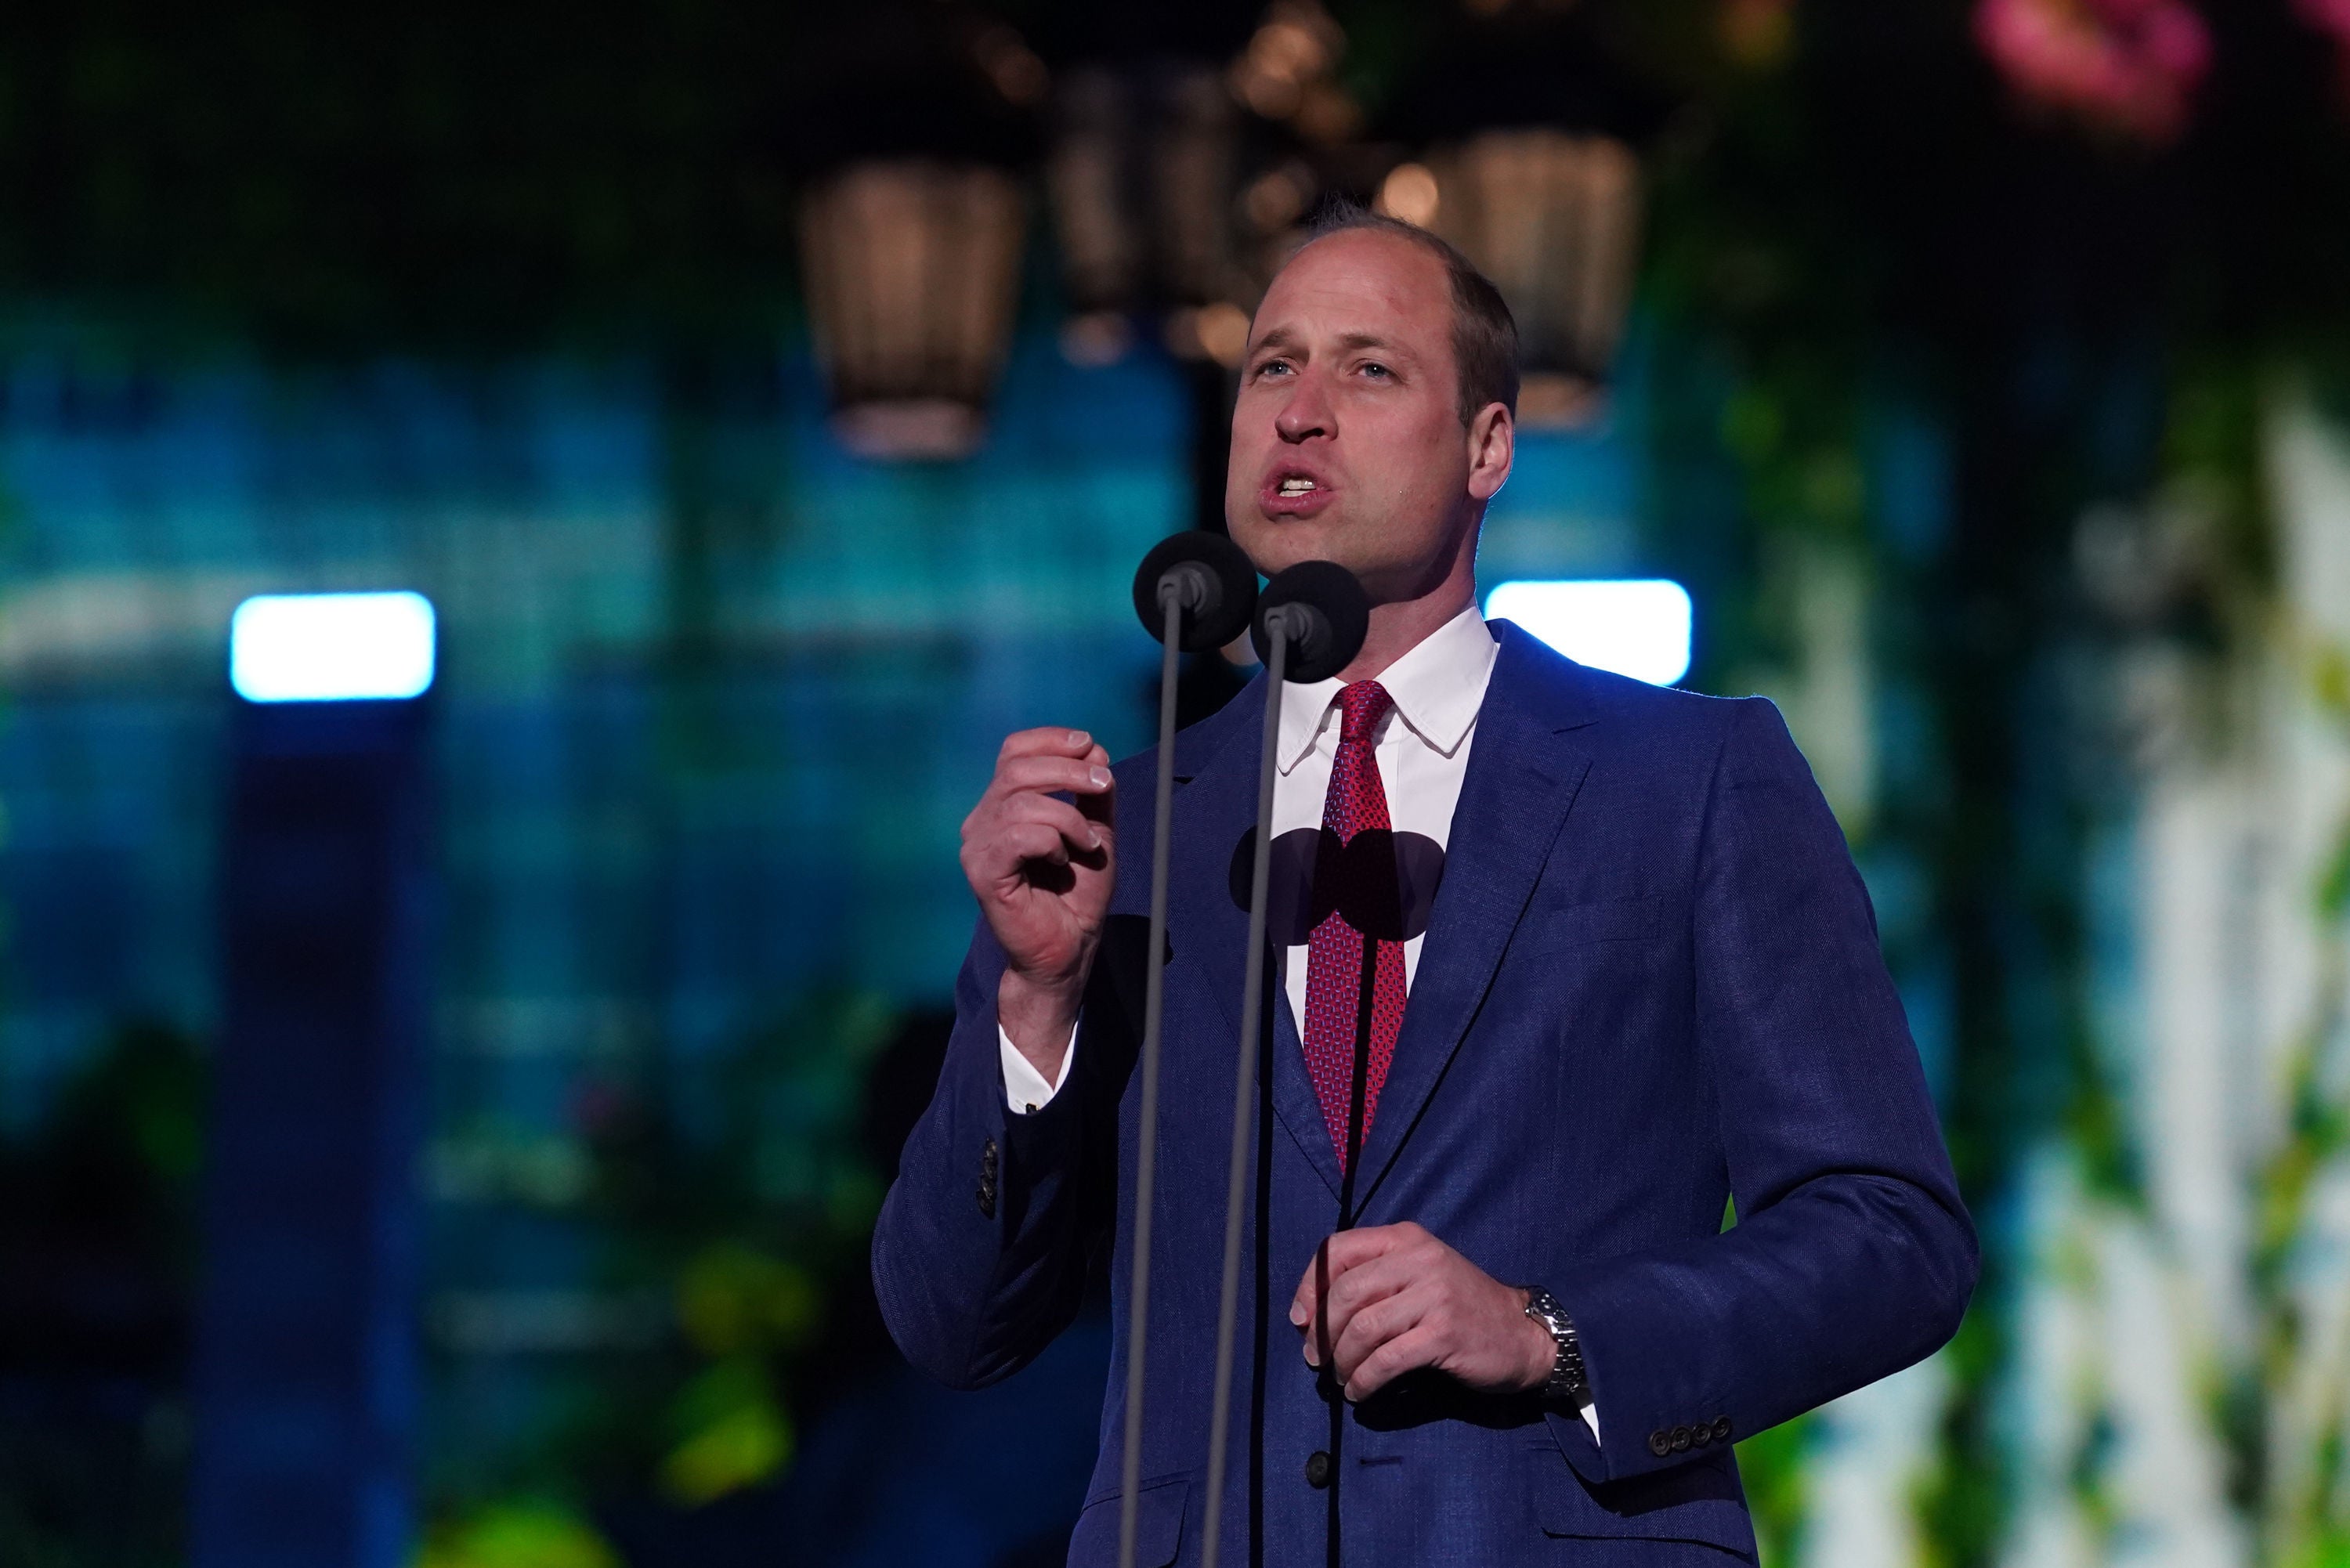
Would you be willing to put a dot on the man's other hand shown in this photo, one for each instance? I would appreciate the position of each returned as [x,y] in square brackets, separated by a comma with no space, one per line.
[1377,1303]
[1043,870]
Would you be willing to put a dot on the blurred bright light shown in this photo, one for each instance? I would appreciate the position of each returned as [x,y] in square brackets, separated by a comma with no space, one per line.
[1634,625]
[330,648]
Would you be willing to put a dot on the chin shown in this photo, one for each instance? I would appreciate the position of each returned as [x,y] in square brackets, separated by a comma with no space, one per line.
[1275,544]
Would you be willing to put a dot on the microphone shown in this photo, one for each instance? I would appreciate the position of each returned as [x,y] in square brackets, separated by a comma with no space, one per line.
[1310,622]
[1323,614]
[1195,591]
[1210,580]
[1383,884]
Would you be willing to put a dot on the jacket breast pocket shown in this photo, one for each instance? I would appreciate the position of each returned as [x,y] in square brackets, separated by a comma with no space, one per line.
[1567,926]
[1700,1503]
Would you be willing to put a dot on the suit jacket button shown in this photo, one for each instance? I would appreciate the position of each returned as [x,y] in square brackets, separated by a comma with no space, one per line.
[1680,1438]
[1660,1442]
[1700,1435]
[1721,1429]
[1318,1470]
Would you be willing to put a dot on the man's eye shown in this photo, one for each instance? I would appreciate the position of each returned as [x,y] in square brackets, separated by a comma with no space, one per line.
[1272,367]
[1378,370]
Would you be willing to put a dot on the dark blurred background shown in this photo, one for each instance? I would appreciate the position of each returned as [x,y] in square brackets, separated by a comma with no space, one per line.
[772,402]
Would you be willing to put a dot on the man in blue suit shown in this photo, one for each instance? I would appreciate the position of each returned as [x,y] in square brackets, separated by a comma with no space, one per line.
[1649,986]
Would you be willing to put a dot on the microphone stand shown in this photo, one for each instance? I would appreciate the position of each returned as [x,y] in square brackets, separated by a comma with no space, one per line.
[1322,609]
[1208,576]
[1244,1093]
[1154,1002]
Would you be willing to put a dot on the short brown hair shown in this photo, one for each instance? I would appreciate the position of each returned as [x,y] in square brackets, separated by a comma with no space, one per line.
[1485,333]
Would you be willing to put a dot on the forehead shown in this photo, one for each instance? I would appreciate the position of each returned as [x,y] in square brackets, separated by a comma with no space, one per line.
[1360,281]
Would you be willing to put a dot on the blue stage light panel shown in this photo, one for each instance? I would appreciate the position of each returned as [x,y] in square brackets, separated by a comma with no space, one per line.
[1637,627]
[331,647]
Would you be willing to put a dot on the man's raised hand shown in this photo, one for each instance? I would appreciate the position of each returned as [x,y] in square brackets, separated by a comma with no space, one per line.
[1043,870]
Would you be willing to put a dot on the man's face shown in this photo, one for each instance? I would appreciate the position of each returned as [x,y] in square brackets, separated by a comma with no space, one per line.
[1347,444]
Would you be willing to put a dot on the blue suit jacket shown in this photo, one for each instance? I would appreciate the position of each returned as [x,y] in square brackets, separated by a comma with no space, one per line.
[1652,984]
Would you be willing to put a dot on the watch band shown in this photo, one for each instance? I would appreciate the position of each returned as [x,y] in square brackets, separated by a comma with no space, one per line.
[1567,1380]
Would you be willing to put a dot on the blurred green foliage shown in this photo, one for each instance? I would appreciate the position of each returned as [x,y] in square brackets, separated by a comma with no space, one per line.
[1772,1465]
[520,1534]
[737,1190]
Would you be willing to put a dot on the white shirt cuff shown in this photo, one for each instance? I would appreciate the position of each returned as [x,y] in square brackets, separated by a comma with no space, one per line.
[1024,1089]
[1591,1418]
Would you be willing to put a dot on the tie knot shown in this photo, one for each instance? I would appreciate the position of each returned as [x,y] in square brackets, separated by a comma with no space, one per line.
[1361,708]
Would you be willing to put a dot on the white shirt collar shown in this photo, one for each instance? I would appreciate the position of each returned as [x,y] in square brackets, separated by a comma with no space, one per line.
[1438,685]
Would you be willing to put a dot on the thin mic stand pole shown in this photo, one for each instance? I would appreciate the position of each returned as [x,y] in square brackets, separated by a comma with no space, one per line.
[1146,1159]
[1277,632]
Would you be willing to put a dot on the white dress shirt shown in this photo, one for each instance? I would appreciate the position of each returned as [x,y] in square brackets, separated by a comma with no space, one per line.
[1422,747]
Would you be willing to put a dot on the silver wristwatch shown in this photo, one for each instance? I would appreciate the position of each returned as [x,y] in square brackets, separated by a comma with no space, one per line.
[1568,1381]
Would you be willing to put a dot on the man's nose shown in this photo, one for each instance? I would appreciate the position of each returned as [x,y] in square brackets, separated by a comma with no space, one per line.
[1307,412]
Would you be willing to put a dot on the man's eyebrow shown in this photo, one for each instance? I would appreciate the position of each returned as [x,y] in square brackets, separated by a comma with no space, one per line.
[1288,340]
[1279,338]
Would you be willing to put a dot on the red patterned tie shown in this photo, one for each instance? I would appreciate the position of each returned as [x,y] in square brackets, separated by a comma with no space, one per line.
[1334,966]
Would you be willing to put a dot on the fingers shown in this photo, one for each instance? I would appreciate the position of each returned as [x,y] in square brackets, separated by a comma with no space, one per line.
[1046,743]
[1343,1298]
[1022,842]
[1343,1253]
[1382,1302]
[1367,1325]
[1028,828]
[1420,1345]
[1039,852]
[1036,766]
[1043,811]
[1077,775]
[1100,802]
[1370,1304]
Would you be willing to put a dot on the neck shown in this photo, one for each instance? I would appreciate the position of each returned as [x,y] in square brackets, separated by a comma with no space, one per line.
[1399,626]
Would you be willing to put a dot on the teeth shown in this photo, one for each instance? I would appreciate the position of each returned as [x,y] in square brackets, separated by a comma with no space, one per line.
[1295,486]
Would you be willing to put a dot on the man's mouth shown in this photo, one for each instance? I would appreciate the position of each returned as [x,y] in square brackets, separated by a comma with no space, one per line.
[1294,494]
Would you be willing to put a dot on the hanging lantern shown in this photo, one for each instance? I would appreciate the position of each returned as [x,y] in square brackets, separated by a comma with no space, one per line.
[1142,173]
[1149,205]
[1553,220]
[913,267]
[1087,175]
[1194,160]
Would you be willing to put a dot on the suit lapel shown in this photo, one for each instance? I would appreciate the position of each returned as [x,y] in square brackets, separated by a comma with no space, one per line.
[1212,811]
[1297,1103]
[1215,803]
[1526,766]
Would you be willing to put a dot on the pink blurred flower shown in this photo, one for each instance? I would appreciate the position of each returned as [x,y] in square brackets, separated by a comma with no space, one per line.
[2328,16]
[2129,65]
[2331,17]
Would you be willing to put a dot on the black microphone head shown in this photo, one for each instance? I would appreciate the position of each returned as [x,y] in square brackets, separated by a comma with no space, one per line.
[1214,580]
[1328,615]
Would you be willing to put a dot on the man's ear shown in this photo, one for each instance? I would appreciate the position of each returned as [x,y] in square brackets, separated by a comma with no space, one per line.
[1493,447]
